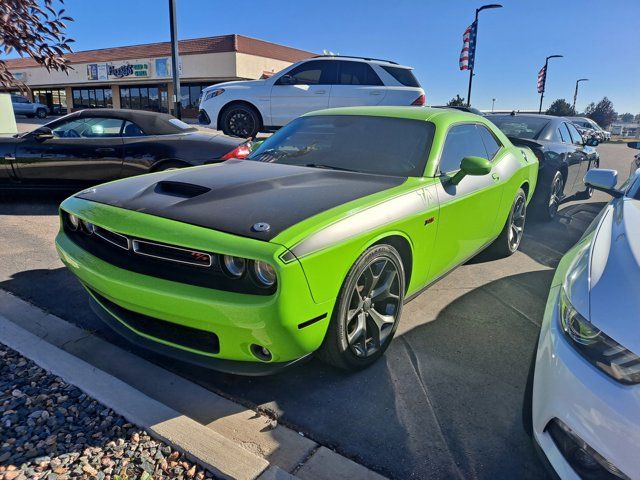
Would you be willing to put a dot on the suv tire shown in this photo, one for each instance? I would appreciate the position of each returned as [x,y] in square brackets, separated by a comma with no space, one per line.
[240,120]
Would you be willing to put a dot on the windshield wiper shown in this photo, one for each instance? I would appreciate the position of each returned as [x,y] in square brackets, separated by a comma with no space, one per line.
[329,167]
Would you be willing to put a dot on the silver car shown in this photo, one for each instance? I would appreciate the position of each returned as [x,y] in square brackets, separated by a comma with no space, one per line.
[23,106]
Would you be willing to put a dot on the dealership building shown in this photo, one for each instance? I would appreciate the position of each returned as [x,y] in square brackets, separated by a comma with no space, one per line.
[139,76]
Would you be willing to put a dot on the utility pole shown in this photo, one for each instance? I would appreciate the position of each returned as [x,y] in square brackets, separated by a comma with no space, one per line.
[478,10]
[174,59]
[575,95]
[544,83]
[493,102]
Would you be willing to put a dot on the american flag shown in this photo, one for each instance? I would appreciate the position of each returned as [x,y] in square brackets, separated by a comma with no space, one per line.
[542,78]
[468,53]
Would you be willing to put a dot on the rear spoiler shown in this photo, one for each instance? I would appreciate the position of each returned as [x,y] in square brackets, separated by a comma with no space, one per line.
[524,142]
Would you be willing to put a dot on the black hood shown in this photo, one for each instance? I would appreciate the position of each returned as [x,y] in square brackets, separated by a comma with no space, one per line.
[234,196]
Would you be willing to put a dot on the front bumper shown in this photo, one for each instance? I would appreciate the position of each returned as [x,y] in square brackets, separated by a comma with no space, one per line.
[240,321]
[602,412]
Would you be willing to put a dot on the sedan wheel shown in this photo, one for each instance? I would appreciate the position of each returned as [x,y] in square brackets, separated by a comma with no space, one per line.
[518,217]
[556,194]
[240,121]
[366,314]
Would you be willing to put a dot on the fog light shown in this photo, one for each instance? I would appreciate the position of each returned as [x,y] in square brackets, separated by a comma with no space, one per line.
[265,273]
[586,462]
[87,227]
[262,353]
[234,266]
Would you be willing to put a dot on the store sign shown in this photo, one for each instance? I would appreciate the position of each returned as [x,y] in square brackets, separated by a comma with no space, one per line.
[128,70]
[163,67]
[97,71]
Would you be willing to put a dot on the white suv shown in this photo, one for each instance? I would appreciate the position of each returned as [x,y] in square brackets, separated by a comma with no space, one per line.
[245,108]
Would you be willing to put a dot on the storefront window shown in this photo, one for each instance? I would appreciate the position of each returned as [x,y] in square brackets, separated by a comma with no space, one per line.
[190,98]
[92,98]
[143,98]
[54,98]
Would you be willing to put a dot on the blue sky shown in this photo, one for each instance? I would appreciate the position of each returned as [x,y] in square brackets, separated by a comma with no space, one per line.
[599,39]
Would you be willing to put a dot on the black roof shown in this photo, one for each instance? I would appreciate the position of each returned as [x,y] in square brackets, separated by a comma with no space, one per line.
[152,123]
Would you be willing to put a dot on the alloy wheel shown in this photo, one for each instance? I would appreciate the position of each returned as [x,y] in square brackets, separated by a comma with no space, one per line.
[516,229]
[241,123]
[556,195]
[373,307]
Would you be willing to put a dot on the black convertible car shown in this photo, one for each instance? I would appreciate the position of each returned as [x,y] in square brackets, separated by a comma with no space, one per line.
[563,154]
[95,146]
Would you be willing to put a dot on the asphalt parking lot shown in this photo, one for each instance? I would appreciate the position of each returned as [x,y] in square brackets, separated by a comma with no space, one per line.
[446,399]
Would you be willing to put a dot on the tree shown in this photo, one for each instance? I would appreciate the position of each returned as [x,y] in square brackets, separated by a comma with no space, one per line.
[602,112]
[561,108]
[456,101]
[33,28]
[637,118]
[626,117]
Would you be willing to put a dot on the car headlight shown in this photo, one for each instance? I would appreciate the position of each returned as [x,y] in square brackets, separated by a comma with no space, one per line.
[598,348]
[265,274]
[213,93]
[73,221]
[234,266]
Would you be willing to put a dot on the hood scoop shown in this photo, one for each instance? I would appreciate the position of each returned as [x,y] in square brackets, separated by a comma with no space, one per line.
[180,189]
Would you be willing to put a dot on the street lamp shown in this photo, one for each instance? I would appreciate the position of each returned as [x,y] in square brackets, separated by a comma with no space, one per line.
[493,102]
[478,10]
[174,59]
[575,95]
[544,83]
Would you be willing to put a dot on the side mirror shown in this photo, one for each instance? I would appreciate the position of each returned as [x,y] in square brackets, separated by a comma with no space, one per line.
[604,180]
[43,133]
[286,80]
[476,166]
[635,145]
[592,142]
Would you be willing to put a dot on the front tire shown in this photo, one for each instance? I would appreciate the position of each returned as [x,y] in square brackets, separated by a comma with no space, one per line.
[240,120]
[41,113]
[367,312]
[509,239]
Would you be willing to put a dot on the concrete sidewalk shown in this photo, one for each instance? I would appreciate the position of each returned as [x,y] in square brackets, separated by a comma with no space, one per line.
[221,435]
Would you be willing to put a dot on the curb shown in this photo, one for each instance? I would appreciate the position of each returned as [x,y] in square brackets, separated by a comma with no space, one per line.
[219,434]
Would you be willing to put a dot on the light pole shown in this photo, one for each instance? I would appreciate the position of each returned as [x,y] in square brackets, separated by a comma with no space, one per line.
[575,95]
[544,82]
[478,10]
[493,102]
[174,59]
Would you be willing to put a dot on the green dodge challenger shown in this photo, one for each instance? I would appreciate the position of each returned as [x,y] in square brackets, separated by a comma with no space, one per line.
[312,244]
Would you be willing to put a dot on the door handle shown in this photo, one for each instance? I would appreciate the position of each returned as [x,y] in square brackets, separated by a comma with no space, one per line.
[320,92]
[375,92]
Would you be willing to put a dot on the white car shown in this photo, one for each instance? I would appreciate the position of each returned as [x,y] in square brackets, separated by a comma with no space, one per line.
[244,108]
[586,387]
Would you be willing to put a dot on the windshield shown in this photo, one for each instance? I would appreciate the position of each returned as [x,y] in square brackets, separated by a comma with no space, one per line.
[366,144]
[520,127]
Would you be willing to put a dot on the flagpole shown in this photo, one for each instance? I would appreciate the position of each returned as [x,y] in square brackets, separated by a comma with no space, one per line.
[544,80]
[478,10]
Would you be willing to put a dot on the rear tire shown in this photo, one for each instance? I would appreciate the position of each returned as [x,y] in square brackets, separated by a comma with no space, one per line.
[509,239]
[550,196]
[587,193]
[239,120]
[367,312]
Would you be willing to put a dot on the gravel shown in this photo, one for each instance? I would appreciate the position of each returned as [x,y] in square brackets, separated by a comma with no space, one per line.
[51,430]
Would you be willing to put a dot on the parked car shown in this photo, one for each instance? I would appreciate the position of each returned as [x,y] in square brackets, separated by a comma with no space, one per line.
[462,108]
[94,146]
[587,123]
[24,106]
[636,159]
[564,156]
[251,266]
[586,385]
[245,108]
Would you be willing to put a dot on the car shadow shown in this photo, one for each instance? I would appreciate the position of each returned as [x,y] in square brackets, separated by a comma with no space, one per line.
[31,203]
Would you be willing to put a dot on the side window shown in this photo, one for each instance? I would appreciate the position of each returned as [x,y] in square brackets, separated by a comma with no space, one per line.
[89,128]
[19,100]
[132,130]
[357,73]
[462,141]
[558,136]
[564,131]
[575,136]
[491,144]
[315,72]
